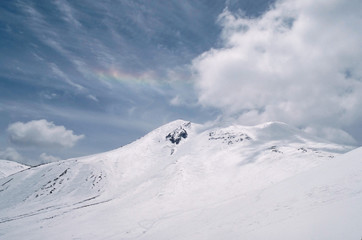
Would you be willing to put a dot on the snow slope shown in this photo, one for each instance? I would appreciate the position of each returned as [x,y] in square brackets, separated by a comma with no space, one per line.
[187,181]
[9,167]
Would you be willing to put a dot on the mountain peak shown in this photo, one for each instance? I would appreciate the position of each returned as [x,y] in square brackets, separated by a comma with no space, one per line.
[178,134]
[181,174]
[177,124]
[173,131]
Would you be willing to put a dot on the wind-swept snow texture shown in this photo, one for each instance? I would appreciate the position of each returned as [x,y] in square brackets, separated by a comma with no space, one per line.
[9,167]
[186,181]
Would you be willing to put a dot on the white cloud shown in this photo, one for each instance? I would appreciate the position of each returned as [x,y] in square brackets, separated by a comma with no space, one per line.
[176,101]
[301,63]
[46,158]
[92,97]
[42,133]
[11,154]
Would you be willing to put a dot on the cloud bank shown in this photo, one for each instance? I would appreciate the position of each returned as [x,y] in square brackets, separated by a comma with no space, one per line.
[47,158]
[301,63]
[11,154]
[41,133]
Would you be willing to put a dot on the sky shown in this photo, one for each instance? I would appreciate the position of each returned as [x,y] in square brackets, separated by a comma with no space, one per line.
[83,77]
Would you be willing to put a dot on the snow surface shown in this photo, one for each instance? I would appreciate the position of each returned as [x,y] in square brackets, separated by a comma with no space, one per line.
[269,181]
[9,167]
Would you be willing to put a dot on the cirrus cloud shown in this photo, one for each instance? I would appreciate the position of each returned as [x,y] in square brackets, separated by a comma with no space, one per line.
[42,133]
[299,63]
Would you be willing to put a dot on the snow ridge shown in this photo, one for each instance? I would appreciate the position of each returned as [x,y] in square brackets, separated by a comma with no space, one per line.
[186,181]
[9,167]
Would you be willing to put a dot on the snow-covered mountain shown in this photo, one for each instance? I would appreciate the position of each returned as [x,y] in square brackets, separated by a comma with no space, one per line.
[10,167]
[189,181]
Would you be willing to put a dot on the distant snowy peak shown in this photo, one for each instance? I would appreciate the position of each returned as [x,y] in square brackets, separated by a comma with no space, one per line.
[164,130]
[9,167]
[271,134]
[168,139]
[176,133]
[266,133]
[173,133]
[179,133]
[228,136]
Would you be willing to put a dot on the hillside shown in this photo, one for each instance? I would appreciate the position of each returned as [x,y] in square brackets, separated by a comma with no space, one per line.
[189,181]
[9,167]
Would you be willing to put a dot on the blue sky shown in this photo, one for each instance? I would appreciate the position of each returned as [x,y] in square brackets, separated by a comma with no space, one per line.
[90,76]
